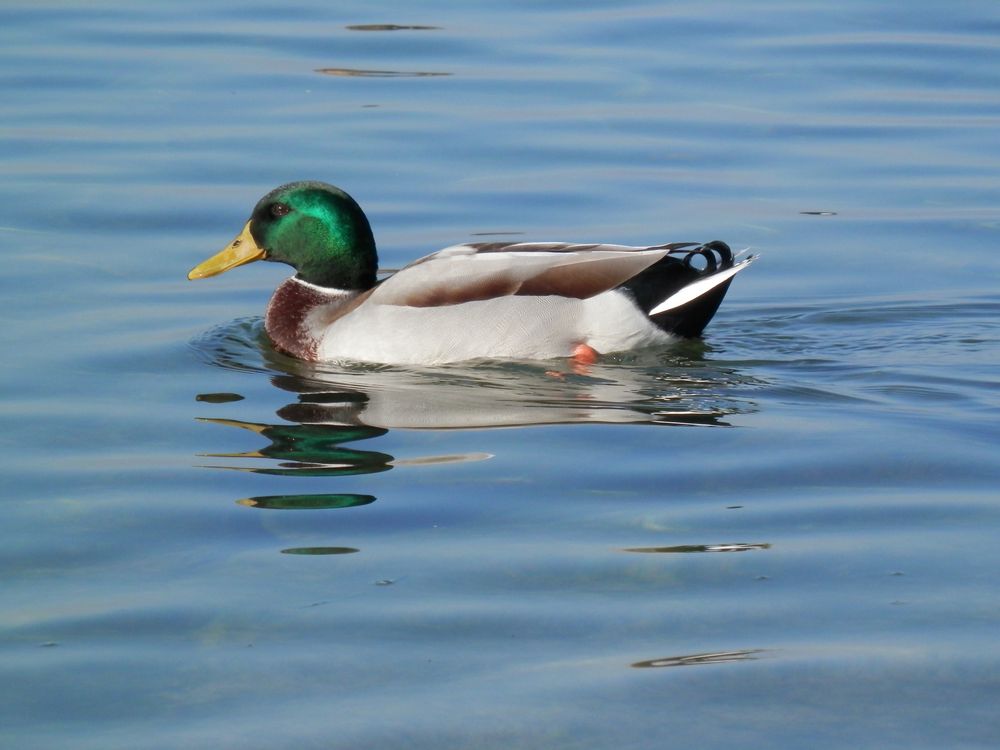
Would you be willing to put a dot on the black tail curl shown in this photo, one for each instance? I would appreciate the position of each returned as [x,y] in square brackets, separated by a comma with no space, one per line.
[717,255]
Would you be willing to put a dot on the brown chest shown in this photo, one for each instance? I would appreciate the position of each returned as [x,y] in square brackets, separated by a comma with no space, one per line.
[289,314]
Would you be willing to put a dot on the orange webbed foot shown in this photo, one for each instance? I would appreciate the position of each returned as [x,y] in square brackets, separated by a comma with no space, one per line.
[579,362]
[583,356]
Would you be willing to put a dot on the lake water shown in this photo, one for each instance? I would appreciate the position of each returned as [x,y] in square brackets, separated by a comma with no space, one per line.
[785,535]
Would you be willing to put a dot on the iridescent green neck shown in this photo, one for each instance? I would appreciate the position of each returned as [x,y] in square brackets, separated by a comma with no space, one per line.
[320,231]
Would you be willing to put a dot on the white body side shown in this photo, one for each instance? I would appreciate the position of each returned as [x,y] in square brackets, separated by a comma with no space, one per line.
[512,327]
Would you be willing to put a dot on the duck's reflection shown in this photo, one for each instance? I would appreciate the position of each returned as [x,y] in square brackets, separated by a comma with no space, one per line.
[511,395]
[309,450]
[333,410]
[316,501]
[362,404]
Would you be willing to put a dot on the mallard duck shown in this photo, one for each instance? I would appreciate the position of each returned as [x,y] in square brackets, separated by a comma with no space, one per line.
[522,300]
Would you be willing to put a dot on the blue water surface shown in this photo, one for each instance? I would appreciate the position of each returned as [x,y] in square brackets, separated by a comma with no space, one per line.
[783,535]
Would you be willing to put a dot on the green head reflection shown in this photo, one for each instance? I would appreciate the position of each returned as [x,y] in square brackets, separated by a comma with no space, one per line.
[318,501]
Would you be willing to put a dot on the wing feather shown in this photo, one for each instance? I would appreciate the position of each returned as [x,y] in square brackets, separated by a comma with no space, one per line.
[479,271]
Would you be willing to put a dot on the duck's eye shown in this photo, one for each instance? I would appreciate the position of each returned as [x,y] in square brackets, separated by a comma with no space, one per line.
[279,209]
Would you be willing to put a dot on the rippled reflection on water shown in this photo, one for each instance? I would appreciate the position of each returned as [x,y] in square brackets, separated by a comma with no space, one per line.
[672,386]
[338,407]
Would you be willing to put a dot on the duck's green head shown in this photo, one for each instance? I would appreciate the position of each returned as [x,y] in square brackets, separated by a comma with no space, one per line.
[316,228]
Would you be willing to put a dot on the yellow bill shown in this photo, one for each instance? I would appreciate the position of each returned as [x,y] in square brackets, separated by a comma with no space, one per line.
[244,249]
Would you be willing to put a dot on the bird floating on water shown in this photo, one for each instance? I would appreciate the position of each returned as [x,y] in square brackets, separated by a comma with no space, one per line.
[498,300]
